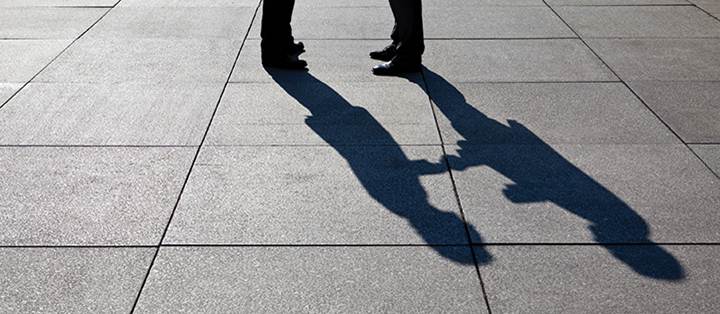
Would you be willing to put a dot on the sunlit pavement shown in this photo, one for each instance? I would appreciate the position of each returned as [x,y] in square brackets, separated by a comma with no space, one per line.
[553,156]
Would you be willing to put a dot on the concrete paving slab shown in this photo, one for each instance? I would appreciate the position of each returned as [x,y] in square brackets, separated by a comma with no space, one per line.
[587,193]
[301,110]
[661,59]
[328,60]
[640,21]
[71,280]
[56,3]
[89,195]
[469,21]
[189,4]
[175,22]
[318,195]
[710,154]
[586,279]
[143,60]
[317,279]
[7,90]
[47,22]
[710,6]
[515,61]
[20,60]
[473,21]
[691,109]
[614,2]
[109,114]
[580,113]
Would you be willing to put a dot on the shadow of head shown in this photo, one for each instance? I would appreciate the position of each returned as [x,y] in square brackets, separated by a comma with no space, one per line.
[541,174]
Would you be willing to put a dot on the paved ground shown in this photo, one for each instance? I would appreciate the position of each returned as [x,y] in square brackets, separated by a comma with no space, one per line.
[553,157]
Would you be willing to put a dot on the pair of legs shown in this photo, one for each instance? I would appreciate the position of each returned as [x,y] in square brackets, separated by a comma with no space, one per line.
[403,55]
[405,52]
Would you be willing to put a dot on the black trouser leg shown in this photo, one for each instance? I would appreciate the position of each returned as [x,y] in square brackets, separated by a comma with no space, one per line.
[408,30]
[276,32]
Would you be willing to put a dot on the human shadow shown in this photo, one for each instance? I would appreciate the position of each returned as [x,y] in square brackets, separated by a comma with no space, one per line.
[541,174]
[382,167]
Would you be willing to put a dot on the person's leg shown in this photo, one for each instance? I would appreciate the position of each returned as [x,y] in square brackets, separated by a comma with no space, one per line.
[276,31]
[389,52]
[408,34]
[277,46]
[409,28]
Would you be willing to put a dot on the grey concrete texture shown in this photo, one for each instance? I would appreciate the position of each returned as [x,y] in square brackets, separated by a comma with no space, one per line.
[109,114]
[318,195]
[545,193]
[328,61]
[515,61]
[310,279]
[614,2]
[469,21]
[188,4]
[20,60]
[580,113]
[89,195]
[47,22]
[586,279]
[640,21]
[710,6]
[7,90]
[79,280]
[661,59]
[691,109]
[710,154]
[302,110]
[175,22]
[56,3]
[92,60]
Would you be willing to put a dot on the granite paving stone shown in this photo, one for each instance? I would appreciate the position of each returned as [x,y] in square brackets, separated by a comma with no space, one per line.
[328,61]
[661,59]
[92,60]
[315,279]
[710,154]
[175,22]
[301,110]
[587,279]
[515,61]
[691,109]
[546,193]
[640,21]
[580,113]
[47,22]
[109,114]
[318,195]
[71,280]
[20,60]
[89,195]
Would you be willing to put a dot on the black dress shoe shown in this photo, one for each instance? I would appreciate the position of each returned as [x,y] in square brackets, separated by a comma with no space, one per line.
[394,68]
[386,54]
[289,62]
